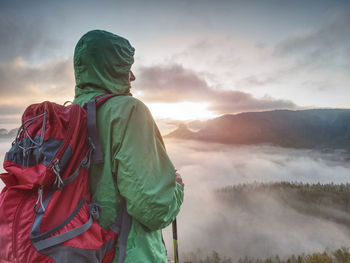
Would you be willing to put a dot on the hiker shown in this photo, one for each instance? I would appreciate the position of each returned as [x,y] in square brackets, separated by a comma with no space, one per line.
[136,167]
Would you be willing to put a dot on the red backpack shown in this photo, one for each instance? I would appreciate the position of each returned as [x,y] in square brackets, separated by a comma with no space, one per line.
[46,214]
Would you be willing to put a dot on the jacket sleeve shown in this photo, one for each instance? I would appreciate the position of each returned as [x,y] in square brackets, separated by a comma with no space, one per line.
[145,174]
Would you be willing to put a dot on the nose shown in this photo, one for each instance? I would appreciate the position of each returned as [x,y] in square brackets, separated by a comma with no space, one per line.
[131,76]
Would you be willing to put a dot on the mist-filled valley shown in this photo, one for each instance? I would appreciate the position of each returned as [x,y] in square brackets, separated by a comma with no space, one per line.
[227,210]
[233,204]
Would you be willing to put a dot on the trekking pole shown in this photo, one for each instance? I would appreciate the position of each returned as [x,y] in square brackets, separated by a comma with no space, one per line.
[176,252]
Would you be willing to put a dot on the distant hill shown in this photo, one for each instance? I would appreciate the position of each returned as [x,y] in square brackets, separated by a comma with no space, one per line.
[5,134]
[313,129]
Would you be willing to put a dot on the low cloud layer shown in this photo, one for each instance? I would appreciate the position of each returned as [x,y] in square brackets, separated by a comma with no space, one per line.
[175,83]
[267,227]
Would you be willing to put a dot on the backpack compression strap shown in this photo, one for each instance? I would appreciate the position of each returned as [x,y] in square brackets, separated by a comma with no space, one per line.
[93,138]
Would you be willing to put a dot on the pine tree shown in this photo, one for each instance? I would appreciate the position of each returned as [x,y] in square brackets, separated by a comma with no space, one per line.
[215,257]
[342,255]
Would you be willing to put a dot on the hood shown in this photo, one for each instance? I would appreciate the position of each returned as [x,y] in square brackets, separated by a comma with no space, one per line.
[102,62]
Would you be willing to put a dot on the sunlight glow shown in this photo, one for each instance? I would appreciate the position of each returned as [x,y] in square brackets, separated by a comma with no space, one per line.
[181,111]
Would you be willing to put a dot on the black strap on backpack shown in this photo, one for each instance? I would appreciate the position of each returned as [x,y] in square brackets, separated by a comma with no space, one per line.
[91,108]
[122,227]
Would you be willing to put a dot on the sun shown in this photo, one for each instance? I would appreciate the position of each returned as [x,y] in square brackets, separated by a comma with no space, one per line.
[181,111]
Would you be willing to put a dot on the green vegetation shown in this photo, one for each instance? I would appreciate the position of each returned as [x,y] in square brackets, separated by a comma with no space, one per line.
[341,255]
[327,201]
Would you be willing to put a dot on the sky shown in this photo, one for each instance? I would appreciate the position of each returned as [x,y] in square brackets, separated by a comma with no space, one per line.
[194,59]
[197,60]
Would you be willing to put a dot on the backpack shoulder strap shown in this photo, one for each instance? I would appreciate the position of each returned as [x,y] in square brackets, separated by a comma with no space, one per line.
[123,223]
[91,108]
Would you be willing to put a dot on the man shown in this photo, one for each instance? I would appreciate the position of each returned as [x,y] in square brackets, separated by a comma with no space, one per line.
[137,167]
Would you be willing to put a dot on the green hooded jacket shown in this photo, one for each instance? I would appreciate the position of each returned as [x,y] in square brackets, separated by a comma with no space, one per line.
[136,165]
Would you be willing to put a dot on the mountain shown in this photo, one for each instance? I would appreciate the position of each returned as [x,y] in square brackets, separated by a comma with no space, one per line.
[313,129]
[8,134]
[195,125]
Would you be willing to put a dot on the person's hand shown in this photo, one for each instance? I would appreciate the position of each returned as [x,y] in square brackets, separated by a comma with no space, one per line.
[179,179]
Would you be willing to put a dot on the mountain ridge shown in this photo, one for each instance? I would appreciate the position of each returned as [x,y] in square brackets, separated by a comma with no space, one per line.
[313,129]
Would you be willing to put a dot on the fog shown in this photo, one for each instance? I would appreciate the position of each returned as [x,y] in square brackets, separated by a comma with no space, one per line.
[263,229]
[267,227]
[5,145]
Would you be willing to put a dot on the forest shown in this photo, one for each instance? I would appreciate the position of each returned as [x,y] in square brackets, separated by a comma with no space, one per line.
[319,200]
[341,255]
[330,202]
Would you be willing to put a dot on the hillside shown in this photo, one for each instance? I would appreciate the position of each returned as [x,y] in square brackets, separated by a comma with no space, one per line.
[327,201]
[5,134]
[277,215]
[312,129]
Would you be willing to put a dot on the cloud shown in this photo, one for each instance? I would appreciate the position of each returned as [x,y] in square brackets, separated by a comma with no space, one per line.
[237,101]
[226,60]
[51,79]
[171,84]
[25,38]
[22,84]
[175,83]
[278,67]
[10,115]
[324,46]
[251,80]
[260,81]
[10,109]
